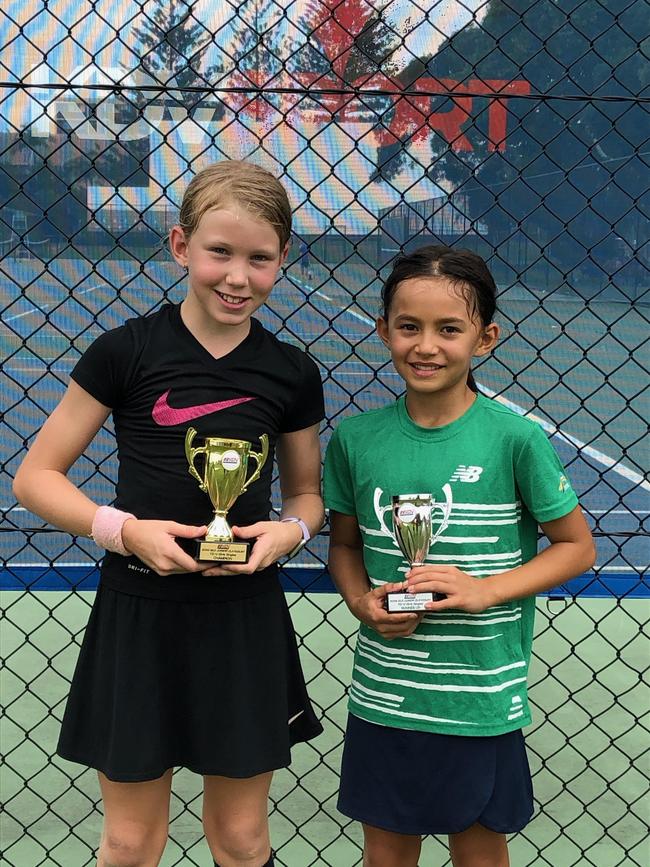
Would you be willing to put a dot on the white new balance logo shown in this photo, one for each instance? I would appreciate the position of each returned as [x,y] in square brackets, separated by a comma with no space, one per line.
[466,474]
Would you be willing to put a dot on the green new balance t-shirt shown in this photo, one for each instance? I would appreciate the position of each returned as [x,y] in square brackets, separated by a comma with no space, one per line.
[498,474]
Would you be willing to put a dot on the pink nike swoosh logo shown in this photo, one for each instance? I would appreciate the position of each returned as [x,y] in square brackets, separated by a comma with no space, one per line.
[165,415]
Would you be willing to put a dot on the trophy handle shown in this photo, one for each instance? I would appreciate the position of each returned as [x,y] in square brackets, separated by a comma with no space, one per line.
[380,511]
[191,453]
[446,512]
[260,460]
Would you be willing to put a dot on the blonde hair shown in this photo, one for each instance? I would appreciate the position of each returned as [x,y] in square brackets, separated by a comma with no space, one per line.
[242,183]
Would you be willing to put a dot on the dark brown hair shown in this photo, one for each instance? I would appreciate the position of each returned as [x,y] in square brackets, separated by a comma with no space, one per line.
[464,268]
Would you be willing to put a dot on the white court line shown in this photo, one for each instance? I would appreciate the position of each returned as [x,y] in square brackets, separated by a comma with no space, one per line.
[50,565]
[619,511]
[618,466]
[346,310]
[321,294]
[30,369]
[45,358]
[27,313]
[46,306]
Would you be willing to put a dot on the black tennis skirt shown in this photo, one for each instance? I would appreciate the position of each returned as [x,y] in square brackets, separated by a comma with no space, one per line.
[418,783]
[215,687]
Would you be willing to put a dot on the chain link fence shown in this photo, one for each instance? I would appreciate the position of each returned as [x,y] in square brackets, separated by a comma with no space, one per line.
[518,129]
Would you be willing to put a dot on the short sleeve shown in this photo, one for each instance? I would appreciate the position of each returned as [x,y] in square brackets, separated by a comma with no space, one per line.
[308,405]
[542,480]
[103,369]
[338,489]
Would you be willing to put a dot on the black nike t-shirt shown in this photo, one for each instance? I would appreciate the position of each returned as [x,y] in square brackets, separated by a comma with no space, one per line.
[159,381]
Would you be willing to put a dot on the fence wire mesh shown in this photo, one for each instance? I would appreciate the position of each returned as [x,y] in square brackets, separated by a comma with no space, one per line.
[518,129]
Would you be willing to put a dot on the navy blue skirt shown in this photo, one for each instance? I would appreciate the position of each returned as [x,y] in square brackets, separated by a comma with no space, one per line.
[418,783]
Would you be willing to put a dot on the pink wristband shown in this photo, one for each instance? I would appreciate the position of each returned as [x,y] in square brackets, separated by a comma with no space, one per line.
[107,529]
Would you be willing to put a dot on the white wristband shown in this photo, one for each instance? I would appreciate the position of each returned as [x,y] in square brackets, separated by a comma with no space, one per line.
[304,529]
[107,529]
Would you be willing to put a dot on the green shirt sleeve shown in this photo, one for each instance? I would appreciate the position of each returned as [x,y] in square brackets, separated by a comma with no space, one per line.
[542,480]
[338,489]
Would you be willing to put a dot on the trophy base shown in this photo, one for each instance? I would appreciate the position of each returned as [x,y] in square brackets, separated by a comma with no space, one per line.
[398,602]
[216,552]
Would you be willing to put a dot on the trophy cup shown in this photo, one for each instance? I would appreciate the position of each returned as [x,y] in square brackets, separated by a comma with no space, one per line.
[223,479]
[412,531]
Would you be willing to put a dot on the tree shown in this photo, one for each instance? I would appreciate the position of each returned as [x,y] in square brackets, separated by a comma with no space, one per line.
[554,57]
[576,54]
[176,44]
[348,45]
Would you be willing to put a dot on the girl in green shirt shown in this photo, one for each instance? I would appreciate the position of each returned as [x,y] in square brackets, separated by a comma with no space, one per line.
[438,696]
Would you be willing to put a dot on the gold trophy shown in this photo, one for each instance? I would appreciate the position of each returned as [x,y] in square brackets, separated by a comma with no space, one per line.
[224,479]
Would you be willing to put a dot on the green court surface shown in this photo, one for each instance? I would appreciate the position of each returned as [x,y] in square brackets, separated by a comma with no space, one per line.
[587,746]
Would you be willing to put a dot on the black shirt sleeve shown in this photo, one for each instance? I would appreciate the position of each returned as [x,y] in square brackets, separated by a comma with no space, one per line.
[104,368]
[308,406]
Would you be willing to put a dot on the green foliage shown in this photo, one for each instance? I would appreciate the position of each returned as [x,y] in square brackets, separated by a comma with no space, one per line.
[175,43]
[562,48]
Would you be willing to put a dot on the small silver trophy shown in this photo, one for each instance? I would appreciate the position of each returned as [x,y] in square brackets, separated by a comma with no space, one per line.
[412,531]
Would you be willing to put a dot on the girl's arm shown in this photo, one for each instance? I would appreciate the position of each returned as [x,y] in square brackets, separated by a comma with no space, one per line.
[349,574]
[42,486]
[298,456]
[571,552]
